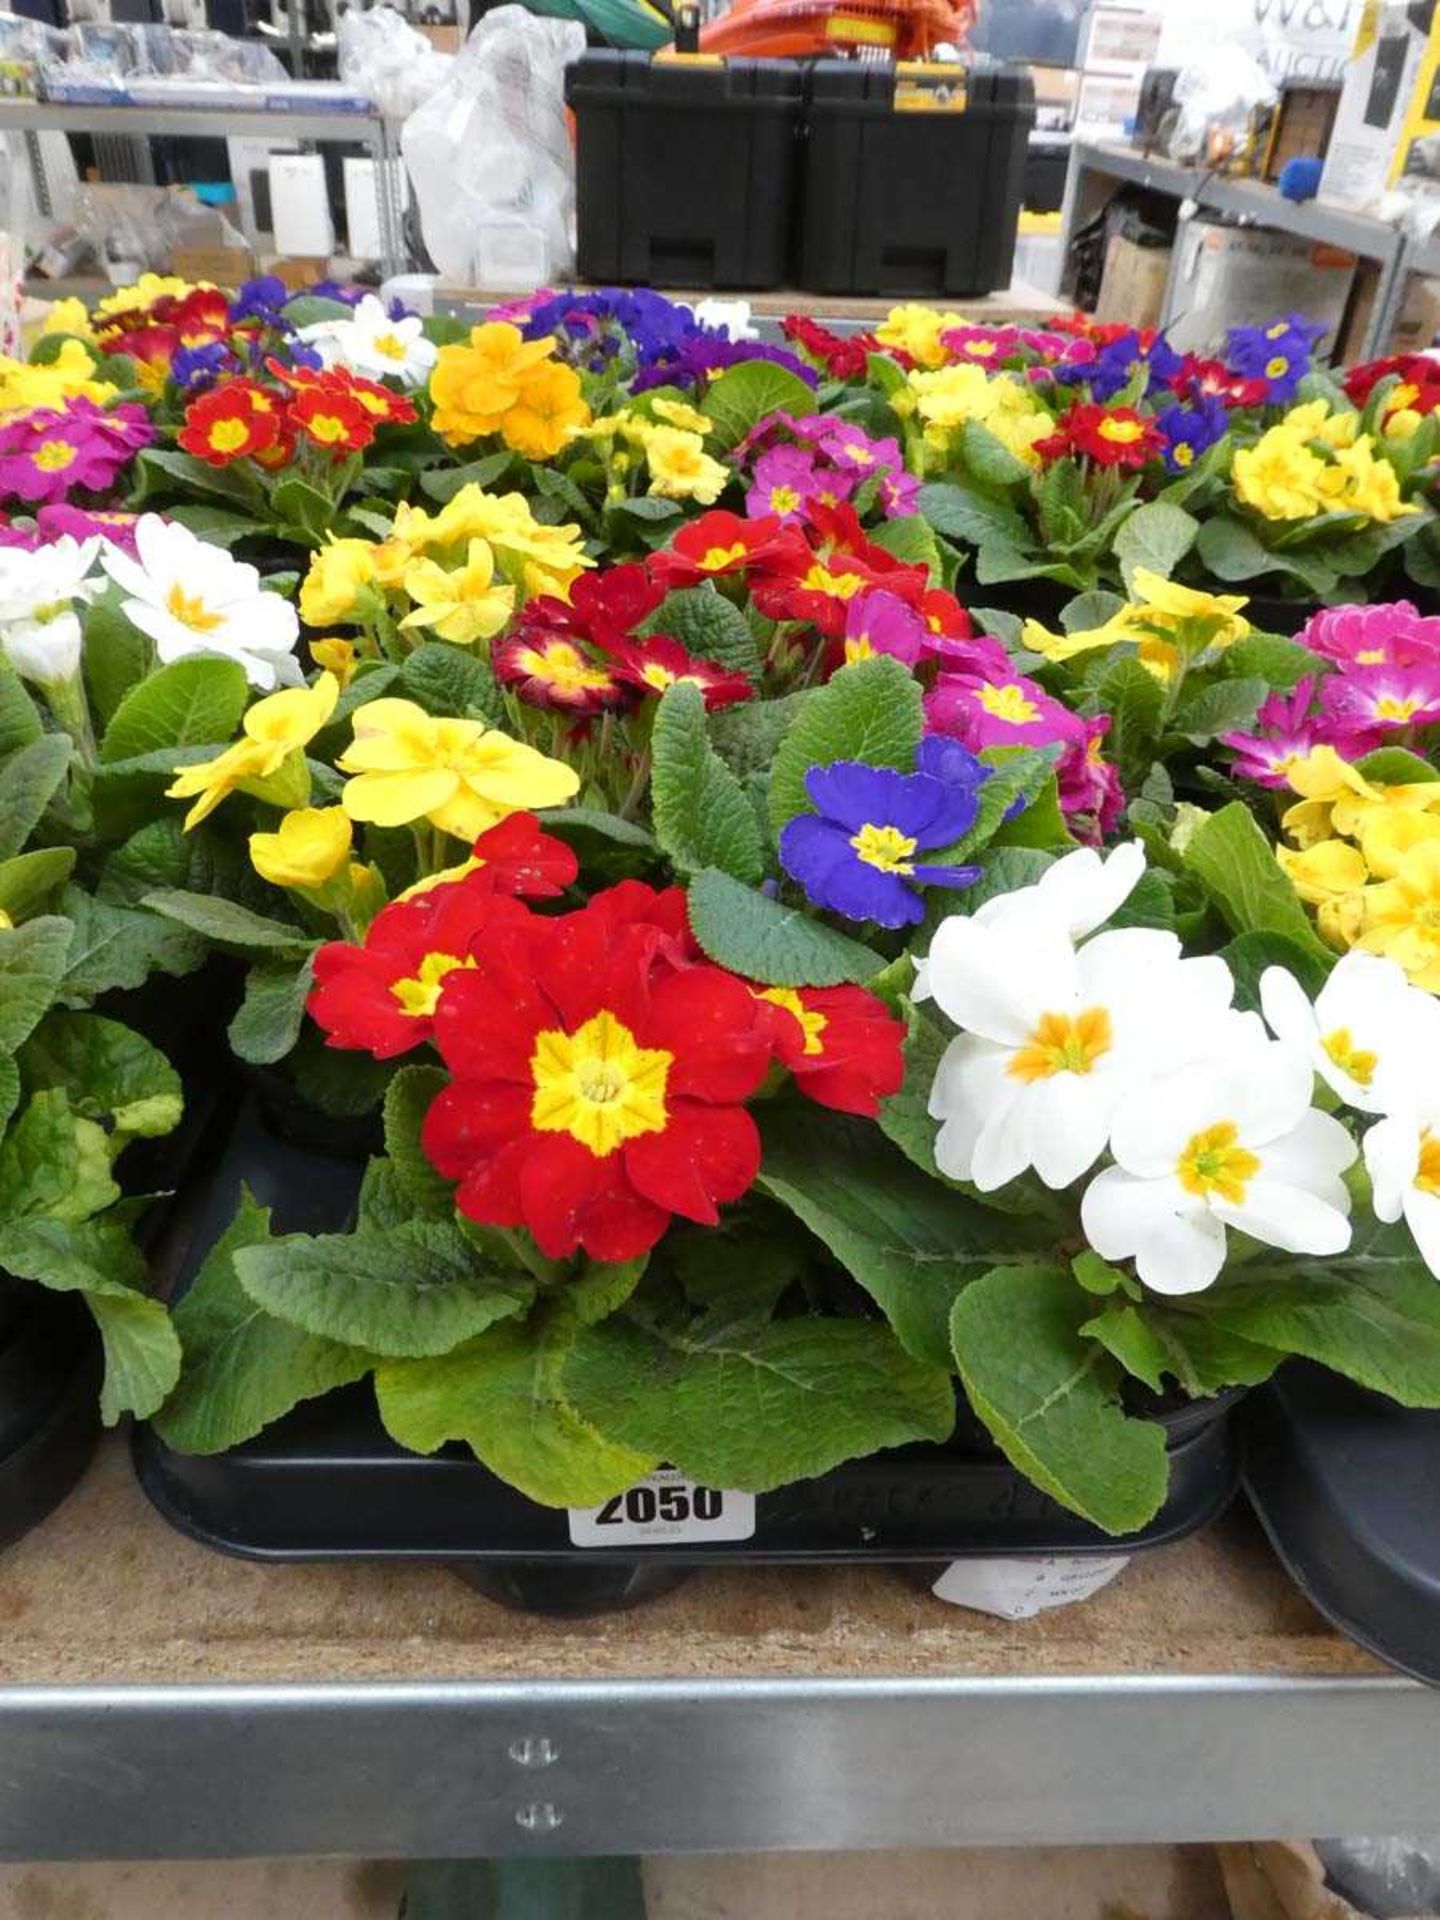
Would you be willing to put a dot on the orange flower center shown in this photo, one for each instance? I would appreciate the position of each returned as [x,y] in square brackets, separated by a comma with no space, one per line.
[1063,1043]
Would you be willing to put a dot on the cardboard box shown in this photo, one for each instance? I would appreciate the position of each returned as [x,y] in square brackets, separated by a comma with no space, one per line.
[1387,132]
[1132,291]
[299,271]
[1245,276]
[225,266]
[1417,326]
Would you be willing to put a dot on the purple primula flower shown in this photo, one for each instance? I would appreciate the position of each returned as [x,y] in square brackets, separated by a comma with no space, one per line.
[347,295]
[707,353]
[880,622]
[1287,729]
[262,299]
[899,494]
[1191,431]
[194,369]
[1117,363]
[785,483]
[853,450]
[856,856]
[1281,354]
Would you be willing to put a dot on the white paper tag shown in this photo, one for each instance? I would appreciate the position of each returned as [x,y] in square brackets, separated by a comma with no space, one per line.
[1018,1589]
[661,1508]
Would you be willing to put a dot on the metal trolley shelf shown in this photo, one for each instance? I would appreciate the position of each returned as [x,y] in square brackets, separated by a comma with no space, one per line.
[159,1701]
[370,130]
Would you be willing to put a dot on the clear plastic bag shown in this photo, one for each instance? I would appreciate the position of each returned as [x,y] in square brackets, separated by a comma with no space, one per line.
[382,55]
[490,155]
[1218,94]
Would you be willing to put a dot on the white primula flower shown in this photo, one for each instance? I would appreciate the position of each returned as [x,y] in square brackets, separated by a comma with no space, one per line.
[43,584]
[1363,1029]
[45,651]
[734,315]
[373,345]
[1402,1157]
[191,597]
[1053,1038]
[1229,1141]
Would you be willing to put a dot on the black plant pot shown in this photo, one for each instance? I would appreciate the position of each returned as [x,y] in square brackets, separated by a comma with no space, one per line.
[49,1391]
[295,1121]
[328,1483]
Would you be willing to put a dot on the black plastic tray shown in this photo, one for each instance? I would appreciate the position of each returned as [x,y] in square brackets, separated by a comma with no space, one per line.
[1347,1486]
[49,1412]
[327,1482]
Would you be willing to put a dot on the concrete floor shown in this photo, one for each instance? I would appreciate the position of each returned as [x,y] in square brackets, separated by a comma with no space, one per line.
[1101,1883]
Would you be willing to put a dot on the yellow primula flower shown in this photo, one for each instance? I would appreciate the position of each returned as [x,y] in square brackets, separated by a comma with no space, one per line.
[446,877]
[916,330]
[679,413]
[1387,834]
[70,373]
[1325,871]
[556,554]
[460,775]
[308,848]
[332,586]
[1340,920]
[1402,916]
[462,604]
[1164,620]
[680,468]
[1315,421]
[1370,486]
[1280,477]
[68,316]
[474,384]
[337,656]
[551,405]
[275,727]
[145,291]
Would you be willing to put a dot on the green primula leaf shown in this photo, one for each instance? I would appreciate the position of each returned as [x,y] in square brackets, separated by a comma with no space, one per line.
[338,1081]
[1048,1397]
[443,483]
[268,1020]
[1236,865]
[117,656]
[734,1275]
[601,1287]
[110,1073]
[1018,778]
[53,1162]
[1124,1332]
[1153,1340]
[779,946]
[979,519]
[1135,701]
[29,781]
[702,818]
[757,1407]
[408,1098]
[709,626]
[96,1258]
[1281,664]
[242,1367]
[505,1396]
[414,1291]
[302,511]
[227,924]
[1088,612]
[745,394]
[988,458]
[1248,957]
[747,737]
[186,704]
[909,1241]
[1371,1313]
[162,473]
[115,946]
[217,526]
[1232,551]
[1151,904]
[27,880]
[33,959]
[450,681]
[20,722]
[1395,767]
[1225,706]
[869,711]
[910,538]
[1156,536]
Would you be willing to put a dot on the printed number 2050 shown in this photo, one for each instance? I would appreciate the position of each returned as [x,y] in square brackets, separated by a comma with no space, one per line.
[643,1504]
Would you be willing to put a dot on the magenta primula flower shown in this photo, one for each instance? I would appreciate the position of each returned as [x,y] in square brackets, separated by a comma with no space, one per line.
[1287,728]
[1007,711]
[49,452]
[881,622]
[1382,699]
[57,520]
[899,494]
[1392,635]
[1089,786]
[983,346]
[785,483]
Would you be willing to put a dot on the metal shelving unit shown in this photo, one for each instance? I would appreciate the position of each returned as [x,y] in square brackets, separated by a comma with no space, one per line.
[370,130]
[1096,169]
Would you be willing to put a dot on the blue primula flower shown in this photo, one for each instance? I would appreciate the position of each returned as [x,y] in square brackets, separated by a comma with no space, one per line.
[861,854]
[1191,431]
[1281,354]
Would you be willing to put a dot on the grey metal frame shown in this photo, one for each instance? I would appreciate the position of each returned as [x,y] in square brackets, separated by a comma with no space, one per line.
[369,130]
[1096,169]
[464,1770]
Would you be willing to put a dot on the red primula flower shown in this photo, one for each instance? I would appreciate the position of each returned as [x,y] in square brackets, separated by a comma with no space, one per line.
[150,347]
[202,316]
[842,1045]
[332,418]
[597,1088]
[1418,391]
[843,357]
[1110,436]
[387,407]
[235,421]
[720,543]
[549,669]
[603,606]
[948,623]
[1212,380]
[658,662]
[381,997]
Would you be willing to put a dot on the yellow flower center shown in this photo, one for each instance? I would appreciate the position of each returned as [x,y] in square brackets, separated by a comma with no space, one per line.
[226,435]
[191,611]
[598,1085]
[1277,368]
[1009,703]
[420,994]
[843,586]
[1387,707]
[1427,1174]
[53,456]
[1358,1062]
[812,1024]
[716,559]
[1064,1043]
[858,647]
[861,455]
[389,345]
[884,847]
[1123,433]
[784,500]
[563,667]
[1370,657]
[1183,455]
[327,428]
[1214,1162]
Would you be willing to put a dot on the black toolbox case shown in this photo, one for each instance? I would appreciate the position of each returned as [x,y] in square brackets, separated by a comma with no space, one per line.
[686,169]
[913,178]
